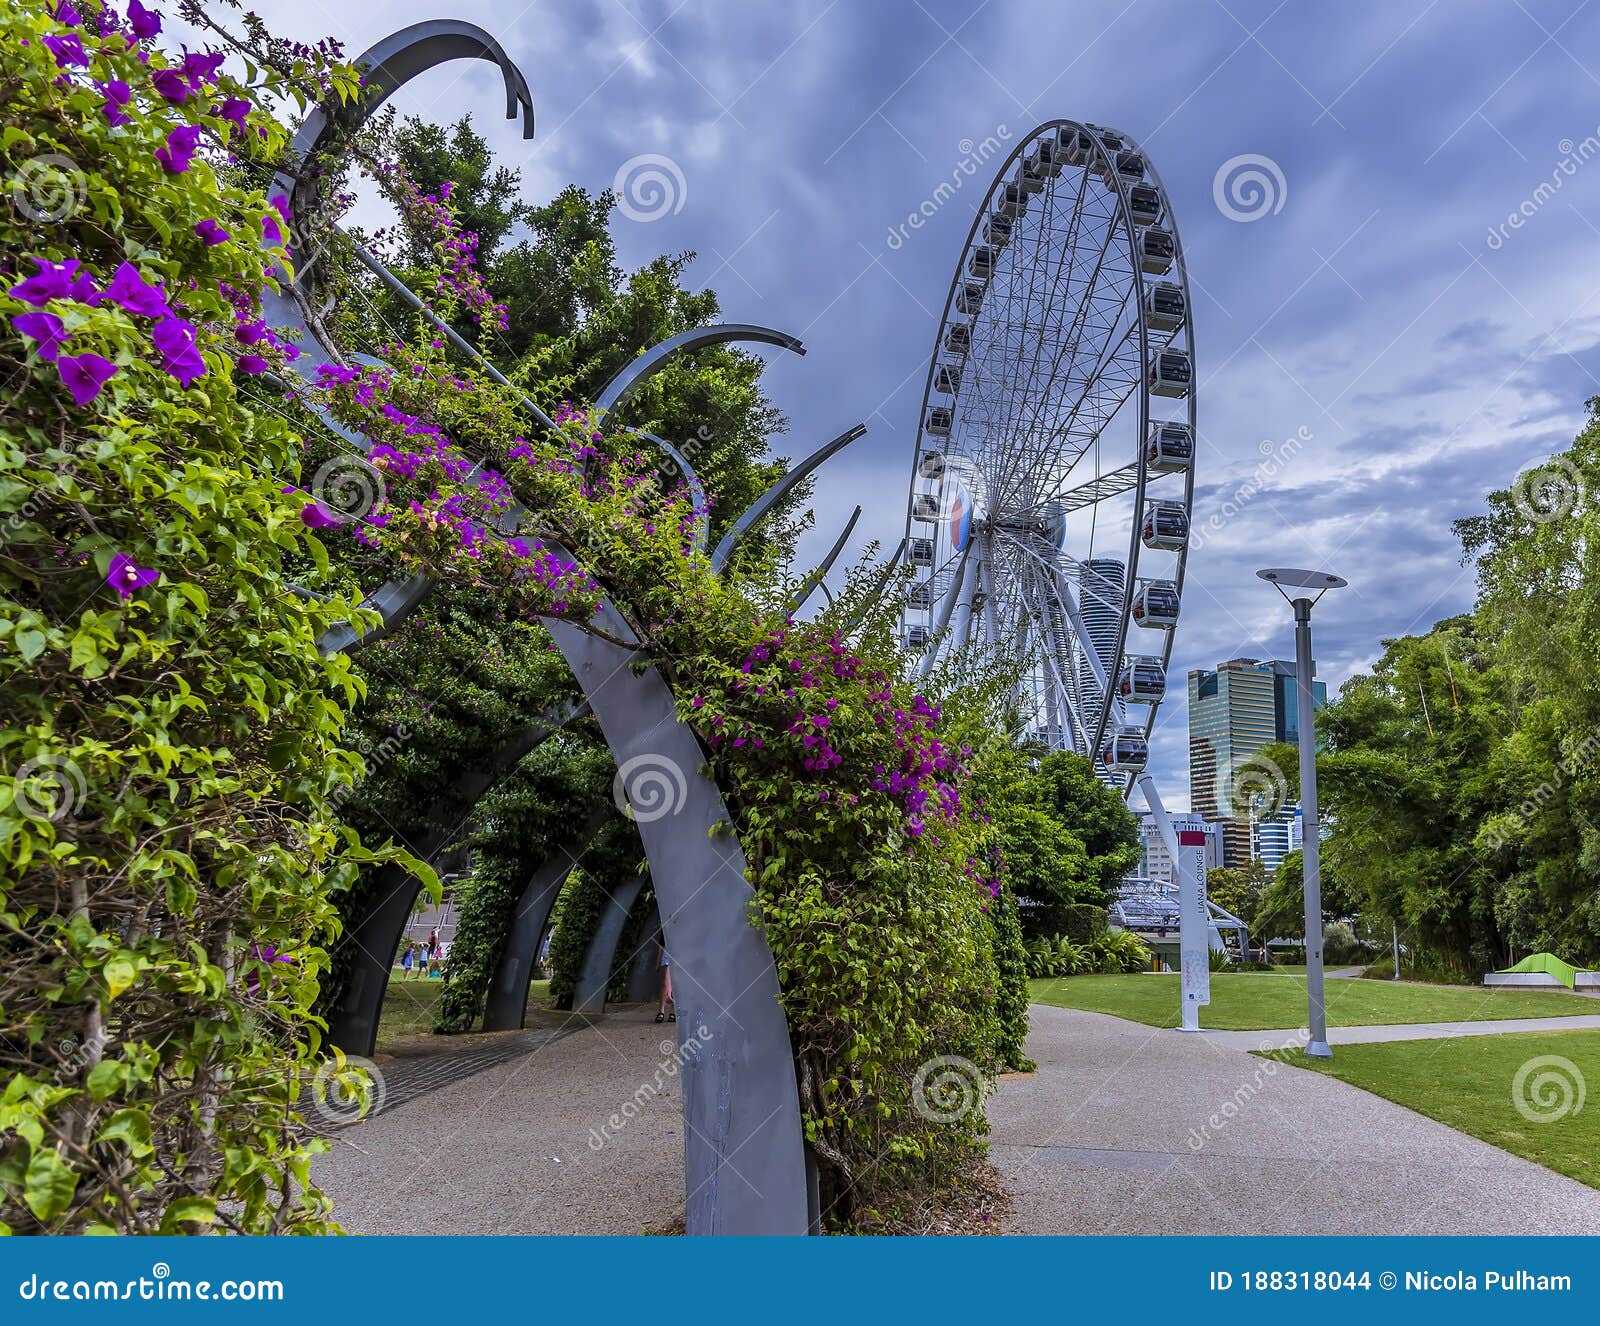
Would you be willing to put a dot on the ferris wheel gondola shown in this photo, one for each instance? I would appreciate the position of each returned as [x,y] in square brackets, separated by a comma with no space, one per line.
[1053,481]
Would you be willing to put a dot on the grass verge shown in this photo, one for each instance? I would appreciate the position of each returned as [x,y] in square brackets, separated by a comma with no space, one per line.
[1252,1001]
[1525,1092]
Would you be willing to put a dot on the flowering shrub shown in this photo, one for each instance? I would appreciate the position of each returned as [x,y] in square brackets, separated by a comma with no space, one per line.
[170,739]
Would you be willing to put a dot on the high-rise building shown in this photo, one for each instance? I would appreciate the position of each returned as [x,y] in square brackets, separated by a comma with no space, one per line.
[1276,836]
[1235,709]
[1100,589]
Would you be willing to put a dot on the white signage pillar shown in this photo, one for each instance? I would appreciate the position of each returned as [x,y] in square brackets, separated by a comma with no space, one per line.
[1194,925]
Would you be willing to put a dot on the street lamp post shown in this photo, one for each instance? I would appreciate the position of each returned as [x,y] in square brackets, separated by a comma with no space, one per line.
[1311,845]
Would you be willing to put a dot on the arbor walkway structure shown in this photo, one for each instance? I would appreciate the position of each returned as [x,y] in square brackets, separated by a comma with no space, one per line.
[1130,1129]
[740,1097]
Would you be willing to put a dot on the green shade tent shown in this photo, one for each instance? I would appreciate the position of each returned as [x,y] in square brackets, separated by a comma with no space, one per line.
[1564,972]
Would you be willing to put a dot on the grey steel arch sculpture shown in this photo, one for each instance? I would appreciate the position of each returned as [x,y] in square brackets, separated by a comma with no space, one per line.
[593,980]
[739,1092]
[505,1005]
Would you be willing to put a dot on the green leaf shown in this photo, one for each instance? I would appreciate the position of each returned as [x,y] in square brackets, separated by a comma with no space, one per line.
[30,644]
[119,974]
[49,1185]
[130,1127]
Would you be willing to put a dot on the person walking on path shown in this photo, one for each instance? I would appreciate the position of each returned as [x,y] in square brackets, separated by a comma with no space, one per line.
[405,964]
[666,1010]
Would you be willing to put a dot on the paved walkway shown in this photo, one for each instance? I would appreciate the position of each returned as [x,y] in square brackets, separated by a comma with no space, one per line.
[522,1145]
[1128,1129]
[1282,1038]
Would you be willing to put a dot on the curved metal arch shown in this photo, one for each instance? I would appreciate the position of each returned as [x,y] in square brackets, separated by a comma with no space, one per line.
[505,1005]
[373,937]
[595,978]
[644,983]
[389,65]
[775,494]
[702,519]
[653,360]
[808,586]
[739,1091]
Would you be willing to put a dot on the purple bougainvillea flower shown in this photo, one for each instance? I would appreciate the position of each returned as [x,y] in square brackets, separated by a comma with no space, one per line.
[125,576]
[201,69]
[271,231]
[67,13]
[248,333]
[44,328]
[68,50]
[210,232]
[253,364]
[280,205]
[117,94]
[175,342]
[180,148]
[171,84]
[234,110]
[142,22]
[133,294]
[84,375]
[317,516]
[51,281]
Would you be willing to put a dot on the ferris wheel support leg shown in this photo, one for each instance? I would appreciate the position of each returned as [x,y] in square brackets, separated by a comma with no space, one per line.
[962,593]
[991,620]
[946,607]
[1194,927]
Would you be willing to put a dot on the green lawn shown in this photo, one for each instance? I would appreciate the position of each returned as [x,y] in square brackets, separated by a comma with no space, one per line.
[1250,1001]
[408,1007]
[1470,1083]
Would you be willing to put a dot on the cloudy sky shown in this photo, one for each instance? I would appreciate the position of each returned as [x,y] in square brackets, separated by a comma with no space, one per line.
[1380,325]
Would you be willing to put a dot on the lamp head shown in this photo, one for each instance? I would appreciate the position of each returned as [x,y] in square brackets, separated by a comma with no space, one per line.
[1282,576]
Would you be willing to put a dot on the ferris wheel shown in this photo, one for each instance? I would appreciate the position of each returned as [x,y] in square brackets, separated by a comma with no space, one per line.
[1051,491]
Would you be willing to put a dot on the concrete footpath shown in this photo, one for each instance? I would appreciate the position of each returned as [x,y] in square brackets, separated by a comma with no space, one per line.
[1283,1038]
[1128,1129]
[524,1146]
